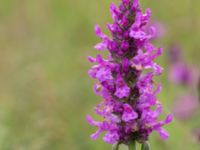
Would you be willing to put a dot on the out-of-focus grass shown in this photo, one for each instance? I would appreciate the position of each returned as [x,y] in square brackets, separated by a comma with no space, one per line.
[45,92]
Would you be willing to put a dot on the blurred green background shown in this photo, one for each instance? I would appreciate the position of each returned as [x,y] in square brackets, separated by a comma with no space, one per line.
[45,92]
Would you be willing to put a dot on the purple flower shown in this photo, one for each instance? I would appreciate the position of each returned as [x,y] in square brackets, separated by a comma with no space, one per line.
[129,114]
[180,73]
[122,90]
[175,54]
[160,29]
[126,78]
[185,106]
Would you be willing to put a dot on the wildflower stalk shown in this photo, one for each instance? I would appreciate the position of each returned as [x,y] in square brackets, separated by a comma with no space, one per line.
[115,146]
[126,79]
[145,146]
[132,145]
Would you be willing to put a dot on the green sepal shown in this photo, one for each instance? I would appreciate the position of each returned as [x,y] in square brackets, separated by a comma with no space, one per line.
[145,146]
[115,146]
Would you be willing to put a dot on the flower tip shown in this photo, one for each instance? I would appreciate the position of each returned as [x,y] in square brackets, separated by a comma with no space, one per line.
[153,31]
[112,6]
[164,134]
[160,50]
[90,120]
[91,59]
[97,28]
[100,46]
[135,3]
[94,136]
[169,118]
[148,11]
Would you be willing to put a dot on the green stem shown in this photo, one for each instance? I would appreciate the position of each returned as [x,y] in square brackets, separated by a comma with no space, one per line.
[145,146]
[115,146]
[132,146]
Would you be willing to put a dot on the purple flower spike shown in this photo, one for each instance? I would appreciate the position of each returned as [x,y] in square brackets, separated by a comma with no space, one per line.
[125,79]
